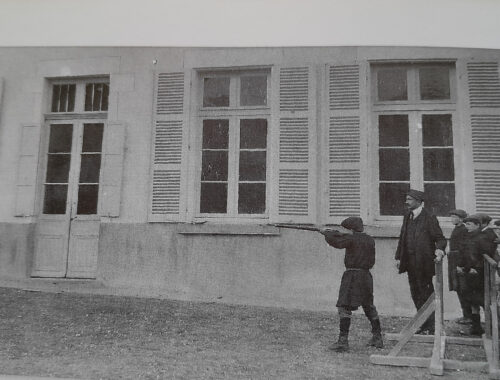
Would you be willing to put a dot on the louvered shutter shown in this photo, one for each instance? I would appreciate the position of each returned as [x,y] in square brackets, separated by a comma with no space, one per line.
[168,137]
[112,170]
[27,166]
[344,140]
[484,101]
[296,137]
[1,95]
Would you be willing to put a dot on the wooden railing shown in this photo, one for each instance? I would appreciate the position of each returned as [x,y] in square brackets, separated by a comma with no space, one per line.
[490,337]
[438,362]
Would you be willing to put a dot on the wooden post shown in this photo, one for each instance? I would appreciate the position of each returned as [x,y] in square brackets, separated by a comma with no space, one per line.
[487,299]
[436,367]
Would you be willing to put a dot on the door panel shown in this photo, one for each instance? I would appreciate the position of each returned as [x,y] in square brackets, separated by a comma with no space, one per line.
[51,247]
[83,248]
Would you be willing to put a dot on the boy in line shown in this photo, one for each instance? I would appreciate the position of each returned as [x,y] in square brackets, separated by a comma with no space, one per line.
[456,282]
[472,268]
[356,287]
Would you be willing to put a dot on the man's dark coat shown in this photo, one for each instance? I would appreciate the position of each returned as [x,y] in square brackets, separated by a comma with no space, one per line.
[428,238]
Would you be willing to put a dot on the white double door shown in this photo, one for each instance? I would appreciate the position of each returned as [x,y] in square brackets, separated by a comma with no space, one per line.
[67,229]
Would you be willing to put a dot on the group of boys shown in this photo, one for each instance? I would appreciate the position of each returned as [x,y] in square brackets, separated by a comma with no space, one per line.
[470,239]
[421,243]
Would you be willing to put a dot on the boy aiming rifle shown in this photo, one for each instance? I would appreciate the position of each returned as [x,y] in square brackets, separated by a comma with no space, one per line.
[356,287]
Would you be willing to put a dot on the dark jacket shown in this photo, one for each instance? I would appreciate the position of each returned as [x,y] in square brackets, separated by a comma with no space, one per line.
[458,239]
[488,242]
[473,259]
[428,238]
[356,286]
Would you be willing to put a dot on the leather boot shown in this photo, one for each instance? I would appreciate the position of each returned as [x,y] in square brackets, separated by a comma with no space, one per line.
[342,344]
[476,328]
[376,339]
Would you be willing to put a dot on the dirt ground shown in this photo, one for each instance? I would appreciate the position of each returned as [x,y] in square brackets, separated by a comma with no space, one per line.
[107,337]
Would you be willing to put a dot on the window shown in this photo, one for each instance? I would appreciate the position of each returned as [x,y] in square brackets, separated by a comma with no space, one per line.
[234,123]
[80,97]
[74,147]
[413,114]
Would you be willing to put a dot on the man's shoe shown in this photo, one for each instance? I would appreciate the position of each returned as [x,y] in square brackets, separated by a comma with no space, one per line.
[463,321]
[342,345]
[376,341]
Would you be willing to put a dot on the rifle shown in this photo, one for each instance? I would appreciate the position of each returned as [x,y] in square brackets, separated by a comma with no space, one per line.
[305,227]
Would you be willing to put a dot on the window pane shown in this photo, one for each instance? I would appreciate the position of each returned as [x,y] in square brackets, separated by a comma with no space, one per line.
[87,199]
[252,166]
[60,138]
[394,164]
[96,106]
[96,97]
[252,198]
[253,133]
[58,168]
[56,94]
[105,96]
[213,198]
[215,134]
[436,130]
[434,83]
[89,92]
[393,130]
[55,199]
[63,98]
[214,165]
[253,90]
[89,169]
[438,165]
[71,97]
[439,198]
[392,198]
[92,137]
[216,92]
[391,84]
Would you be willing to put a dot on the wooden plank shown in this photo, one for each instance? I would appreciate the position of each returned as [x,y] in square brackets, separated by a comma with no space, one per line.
[436,366]
[411,323]
[409,330]
[465,365]
[400,361]
[488,348]
[487,299]
[466,341]
[494,320]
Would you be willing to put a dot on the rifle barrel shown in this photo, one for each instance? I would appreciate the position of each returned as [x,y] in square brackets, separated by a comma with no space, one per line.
[298,227]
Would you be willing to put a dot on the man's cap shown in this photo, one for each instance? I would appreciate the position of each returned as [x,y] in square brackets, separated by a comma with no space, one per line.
[458,212]
[474,218]
[484,218]
[353,223]
[415,194]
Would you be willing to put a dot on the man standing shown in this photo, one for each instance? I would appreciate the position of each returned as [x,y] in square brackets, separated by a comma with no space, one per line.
[420,242]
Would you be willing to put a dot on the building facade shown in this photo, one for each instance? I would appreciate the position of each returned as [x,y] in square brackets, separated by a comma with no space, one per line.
[164,169]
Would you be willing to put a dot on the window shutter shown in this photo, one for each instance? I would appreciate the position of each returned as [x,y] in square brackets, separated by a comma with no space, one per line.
[484,102]
[1,95]
[344,141]
[168,137]
[112,170]
[296,136]
[27,166]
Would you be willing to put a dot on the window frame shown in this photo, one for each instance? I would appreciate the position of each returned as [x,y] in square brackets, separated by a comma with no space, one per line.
[413,81]
[79,110]
[234,113]
[414,108]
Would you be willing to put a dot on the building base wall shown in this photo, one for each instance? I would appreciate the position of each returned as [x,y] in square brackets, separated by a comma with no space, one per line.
[230,264]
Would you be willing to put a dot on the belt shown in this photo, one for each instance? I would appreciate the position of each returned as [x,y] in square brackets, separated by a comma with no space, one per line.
[349,269]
